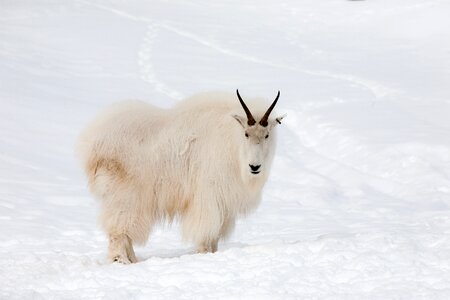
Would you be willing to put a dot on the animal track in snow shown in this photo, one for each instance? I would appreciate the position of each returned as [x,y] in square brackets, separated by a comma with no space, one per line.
[147,68]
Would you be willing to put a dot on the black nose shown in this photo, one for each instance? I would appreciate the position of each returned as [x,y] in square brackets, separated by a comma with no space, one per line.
[254,168]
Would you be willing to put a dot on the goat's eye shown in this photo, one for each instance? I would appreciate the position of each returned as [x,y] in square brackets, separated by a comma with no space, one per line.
[267,136]
[246,134]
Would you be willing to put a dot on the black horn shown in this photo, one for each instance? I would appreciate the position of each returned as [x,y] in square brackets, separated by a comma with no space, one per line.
[264,120]
[250,120]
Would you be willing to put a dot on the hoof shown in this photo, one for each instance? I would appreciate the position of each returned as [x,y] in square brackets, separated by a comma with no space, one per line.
[121,260]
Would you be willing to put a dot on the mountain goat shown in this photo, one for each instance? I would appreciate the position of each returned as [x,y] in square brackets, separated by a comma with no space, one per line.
[201,162]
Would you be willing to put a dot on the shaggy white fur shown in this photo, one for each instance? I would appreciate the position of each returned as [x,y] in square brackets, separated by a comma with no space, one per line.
[193,162]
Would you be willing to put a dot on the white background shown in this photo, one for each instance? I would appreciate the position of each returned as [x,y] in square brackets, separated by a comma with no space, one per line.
[358,203]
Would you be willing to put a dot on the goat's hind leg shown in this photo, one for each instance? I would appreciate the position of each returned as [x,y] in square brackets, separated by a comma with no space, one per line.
[130,251]
[121,215]
[121,249]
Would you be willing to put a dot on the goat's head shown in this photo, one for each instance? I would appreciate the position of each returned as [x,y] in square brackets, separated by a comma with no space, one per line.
[257,141]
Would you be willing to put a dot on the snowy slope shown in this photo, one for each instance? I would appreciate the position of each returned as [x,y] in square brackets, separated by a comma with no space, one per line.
[358,204]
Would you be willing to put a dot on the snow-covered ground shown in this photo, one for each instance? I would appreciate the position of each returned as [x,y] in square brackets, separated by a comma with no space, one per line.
[358,204]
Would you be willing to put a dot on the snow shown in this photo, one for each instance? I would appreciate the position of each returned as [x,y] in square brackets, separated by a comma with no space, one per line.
[358,203]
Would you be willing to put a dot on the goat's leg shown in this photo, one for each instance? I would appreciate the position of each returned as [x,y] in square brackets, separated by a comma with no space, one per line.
[212,244]
[130,251]
[121,249]
[207,246]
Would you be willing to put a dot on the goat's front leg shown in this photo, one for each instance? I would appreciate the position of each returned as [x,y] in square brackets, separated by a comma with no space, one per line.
[208,246]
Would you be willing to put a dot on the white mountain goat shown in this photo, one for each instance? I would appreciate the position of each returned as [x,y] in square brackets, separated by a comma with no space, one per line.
[201,162]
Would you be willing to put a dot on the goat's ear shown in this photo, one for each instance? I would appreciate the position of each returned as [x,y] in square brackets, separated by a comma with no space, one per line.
[241,120]
[278,119]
